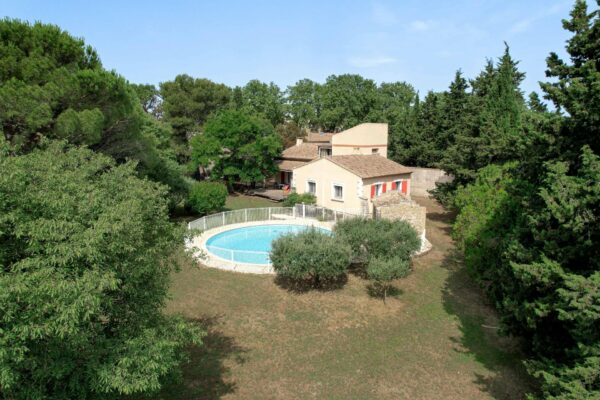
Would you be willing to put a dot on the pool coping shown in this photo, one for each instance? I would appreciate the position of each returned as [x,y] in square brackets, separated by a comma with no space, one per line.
[198,245]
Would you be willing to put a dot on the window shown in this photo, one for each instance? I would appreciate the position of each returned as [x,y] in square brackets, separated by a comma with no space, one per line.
[398,185]
[374,151]
[356,150]
[338,192]
[311,187]
[378,189]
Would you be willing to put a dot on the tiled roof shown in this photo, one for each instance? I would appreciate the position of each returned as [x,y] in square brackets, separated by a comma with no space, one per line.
[289,165]
[319,137]
[369,166]
[302,151]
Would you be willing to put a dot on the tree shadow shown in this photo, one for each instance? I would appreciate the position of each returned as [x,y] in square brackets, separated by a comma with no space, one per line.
[480,335]
[307,285]
[204,375]
[376,291]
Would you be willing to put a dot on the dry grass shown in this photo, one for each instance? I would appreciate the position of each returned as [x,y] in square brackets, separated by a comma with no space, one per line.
[431,341]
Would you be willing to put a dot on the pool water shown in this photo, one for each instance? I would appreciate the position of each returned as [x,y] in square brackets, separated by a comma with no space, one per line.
[250,244]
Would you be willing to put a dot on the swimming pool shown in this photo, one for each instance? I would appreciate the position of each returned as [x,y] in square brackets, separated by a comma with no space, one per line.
[250,244]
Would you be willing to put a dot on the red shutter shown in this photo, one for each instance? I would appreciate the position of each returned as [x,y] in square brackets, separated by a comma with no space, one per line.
[383,189]
[404,186]
[394,186]
[372,191]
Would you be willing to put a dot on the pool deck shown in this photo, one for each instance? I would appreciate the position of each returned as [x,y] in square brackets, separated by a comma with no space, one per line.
[197,245]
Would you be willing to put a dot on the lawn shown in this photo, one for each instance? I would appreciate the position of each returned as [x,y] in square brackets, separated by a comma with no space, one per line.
[237,201]
[436,339]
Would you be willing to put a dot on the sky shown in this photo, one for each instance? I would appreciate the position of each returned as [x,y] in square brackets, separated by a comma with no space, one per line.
[419,42]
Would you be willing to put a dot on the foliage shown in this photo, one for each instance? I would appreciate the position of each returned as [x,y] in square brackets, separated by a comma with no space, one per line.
[378,238]
[187,104]
[311,256]
[384,270]
[265,100]
[530,230]
[289,132]
[206,197]
[304,100]
[53,86]
[237,146]
[85,250]
[295,198]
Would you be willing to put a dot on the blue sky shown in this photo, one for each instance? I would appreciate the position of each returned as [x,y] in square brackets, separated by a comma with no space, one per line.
[420,42]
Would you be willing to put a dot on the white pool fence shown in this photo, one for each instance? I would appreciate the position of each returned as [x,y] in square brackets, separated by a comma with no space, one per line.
[299,211]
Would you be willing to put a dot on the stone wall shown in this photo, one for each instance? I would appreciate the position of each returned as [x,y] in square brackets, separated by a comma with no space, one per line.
[394,206]
[425,179]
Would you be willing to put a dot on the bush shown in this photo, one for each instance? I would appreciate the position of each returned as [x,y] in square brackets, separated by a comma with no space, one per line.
[379,238]
[206,197]
[384,270]
[311,256]
[295,198]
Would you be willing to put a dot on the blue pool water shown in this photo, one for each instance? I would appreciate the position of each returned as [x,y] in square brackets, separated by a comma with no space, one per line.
[250,244]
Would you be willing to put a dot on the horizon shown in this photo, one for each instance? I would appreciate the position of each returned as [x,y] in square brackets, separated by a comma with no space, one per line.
[284,43]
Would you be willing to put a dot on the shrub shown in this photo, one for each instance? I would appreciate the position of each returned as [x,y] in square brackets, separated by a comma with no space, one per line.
[384,270]
[206,197]
[310,256]
[295,198]
[383,238]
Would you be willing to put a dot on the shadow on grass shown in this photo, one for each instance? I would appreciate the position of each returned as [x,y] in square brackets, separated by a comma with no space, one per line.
[204,376]
[480,337]
[303,286]
[376,291]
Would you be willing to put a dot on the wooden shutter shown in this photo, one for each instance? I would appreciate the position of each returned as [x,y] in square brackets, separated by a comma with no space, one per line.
[372,191]
[383,189]
[394,186]
[404,186]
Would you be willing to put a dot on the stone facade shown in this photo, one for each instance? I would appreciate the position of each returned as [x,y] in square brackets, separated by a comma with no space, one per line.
[394,206]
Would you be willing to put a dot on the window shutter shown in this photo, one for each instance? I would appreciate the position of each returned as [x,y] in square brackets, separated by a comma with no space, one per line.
[394,186]
[404,186]
[372,191]
[383,189]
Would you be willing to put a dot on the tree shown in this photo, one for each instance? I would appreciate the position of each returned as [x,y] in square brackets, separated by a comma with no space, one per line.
[265,100]
[85,249]
[289,132]
[187,104]
[304,100]
[530,230]
[576,90]
[311,256]
[384,270]
[374,238]
[53,86]
[346,101]
[207,197]
[237,146]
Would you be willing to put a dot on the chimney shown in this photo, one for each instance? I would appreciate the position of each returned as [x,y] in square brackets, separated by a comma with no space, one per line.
[299,141]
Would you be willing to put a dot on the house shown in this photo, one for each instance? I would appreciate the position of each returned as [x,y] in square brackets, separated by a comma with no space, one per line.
[364,139]
[351,182]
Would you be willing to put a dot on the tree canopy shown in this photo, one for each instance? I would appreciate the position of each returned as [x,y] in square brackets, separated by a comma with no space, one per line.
[237,146]
[84,247]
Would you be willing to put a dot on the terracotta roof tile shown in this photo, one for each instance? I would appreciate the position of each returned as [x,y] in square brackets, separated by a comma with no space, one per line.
[370,166]
[303,151]
[289,165]
[319,137]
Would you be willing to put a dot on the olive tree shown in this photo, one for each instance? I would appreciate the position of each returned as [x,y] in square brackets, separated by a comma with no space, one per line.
[371,238]
[311,255]
[384,270]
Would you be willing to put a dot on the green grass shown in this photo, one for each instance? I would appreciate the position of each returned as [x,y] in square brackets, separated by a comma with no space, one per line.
[434,340]
[239,201]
